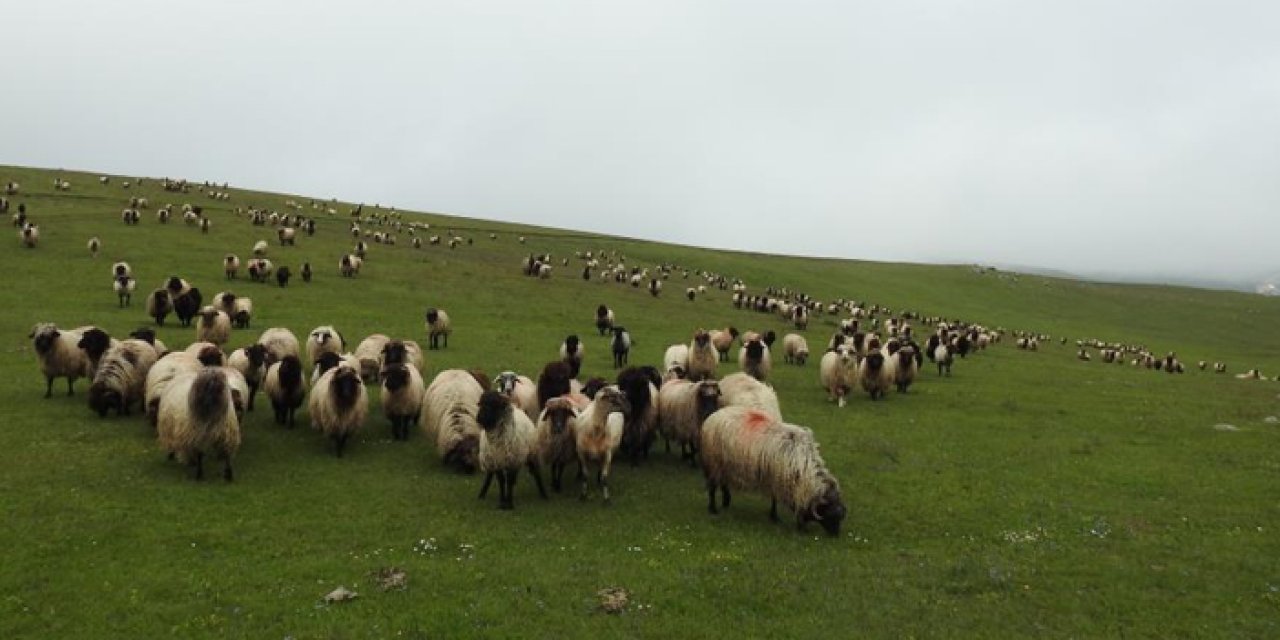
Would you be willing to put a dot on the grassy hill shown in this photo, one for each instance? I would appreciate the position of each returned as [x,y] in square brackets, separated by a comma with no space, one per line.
[1028,494]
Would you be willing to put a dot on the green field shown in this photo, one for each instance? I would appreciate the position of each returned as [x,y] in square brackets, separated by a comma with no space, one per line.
[1029,494]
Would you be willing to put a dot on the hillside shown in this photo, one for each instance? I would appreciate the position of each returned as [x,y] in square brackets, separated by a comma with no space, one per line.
[1027,494]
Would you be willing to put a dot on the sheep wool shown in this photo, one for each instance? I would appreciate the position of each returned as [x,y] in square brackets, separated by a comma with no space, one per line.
[60,356]
[742,390]
[324,339]
[286,388]
[251,362]
[598,434]
[753,358]
[683,406]
[902,368]
[161,375]
[196,417]
[795,349]
[338,405]
[121,377]
[402,392]
[213,326]
[279,342]
[438,328]
[554,443]
[520,390]
[676,359]
[723,341]
[507,440]
[449,411]
[838,372]
[703,357]
[369,353]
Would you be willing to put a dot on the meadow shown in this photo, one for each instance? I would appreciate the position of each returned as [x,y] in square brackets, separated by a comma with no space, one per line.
[1029,494]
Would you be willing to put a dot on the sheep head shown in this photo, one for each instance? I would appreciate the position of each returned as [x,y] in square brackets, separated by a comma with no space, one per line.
[708,399]
[701,338]
[506,382]
[95,342]
[395,377]
[557,412]
[102,399]
[44,335]
[493,409]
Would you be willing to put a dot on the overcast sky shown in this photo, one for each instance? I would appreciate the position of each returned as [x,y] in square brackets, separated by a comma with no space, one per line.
[1137,136]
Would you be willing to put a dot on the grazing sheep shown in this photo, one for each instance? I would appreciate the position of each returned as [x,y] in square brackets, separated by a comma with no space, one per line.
[943,357]
[285,387]
[196,417]
[369,353]
[438,327]
[902,368]
[753,357]
[214,326]
[60,355]
[338,405]
[703,357]
[572,352]
[324,339]
[597,435]
[642,424]
[723,341]
[554,442]
[838,372]
[161,374]
[682,408]
[742,390]
[279,343]
[747,449]
[795,349]
[349,265]
[507,440]
[449,407]
[260,248]
[402,392]
[121,376]
[306,272]
[604,319]
[621,346]
[124,287]
[520,391]
[95,245]
[282,276]
[231,265]
[251,362]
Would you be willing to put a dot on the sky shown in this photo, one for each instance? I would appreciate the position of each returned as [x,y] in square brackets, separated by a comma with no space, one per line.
[1139,138]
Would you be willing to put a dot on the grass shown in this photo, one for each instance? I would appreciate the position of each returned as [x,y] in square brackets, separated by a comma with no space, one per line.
[1027,495]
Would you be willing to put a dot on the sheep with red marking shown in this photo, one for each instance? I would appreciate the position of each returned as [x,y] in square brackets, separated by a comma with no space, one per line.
[742,390]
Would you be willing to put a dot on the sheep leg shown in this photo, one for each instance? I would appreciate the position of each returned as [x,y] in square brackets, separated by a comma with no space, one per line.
[582,477]
[48,388]
[537,478]
[603,478]
[198,463]
[711,497]
[70,381]
[340,442]
[511,487]
[484,488]
[227,474]
[773,511]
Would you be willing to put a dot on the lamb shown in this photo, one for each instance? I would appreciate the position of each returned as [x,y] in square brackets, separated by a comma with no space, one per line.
[60,356]
[251,362]
[242,313]
[703,357]
[279,343]
[682,408]
[838,372]
[449,407]
[572,352]
[121,376]
[186,306]
[214,326]
[231,266]
[943,357]
[438,327]
[507,440]
[753,357]
[196,417]
[795,349]
[124,287]
[597,435]
[338,405]
[520,391]
[902,368]
[349,265]
[723,341]
[604,319]
[621,346]
[642,424]
[306,272]
[369,353]
[324,339]
[675,361]
[554,442]
[260,248]
[746,449]
[95,245]
[162,374]
[286,387]
[402,392]
[742,390]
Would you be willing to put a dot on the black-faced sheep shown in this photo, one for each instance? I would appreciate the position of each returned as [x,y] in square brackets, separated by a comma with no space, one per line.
[95,342]
[121,376]
[902,368]
[324,339]
[620,346]
[555,380]
[402,392]
[403,352]
[449,408]
[747,449]
[186,305]
[723,341]
[795,349]
[251,362]
[838,372]
[507,440]
[642,424]
[286,235]
[438,328]
[279,342]
[306,272]
[349,265]
[703,357]
[119,269]
[95,245]
[196,417]
[124,287]
[682,408]
[286,388]
[572,352]
[873,375]
[597,435]
[943,357]
[159,305]
[60,355]
[338,405]
[282,276]
[554,443]
[604,319]
[214,326]
[754,359]
[242,313]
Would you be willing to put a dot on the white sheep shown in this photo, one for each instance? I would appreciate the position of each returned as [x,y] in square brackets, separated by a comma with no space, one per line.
[507,439]
[251,362]
[285,387]
[29,235]
[902,368]
[675,361]
[95,245]
[279,342]
[208,353]
[369,353]
[124,287]
[324,339]
[723,341]
[60,355]
[449,408]
[438,328]
[196,417]
[242,313]
[338,405]
[598,434]
[795,349]
[554,444]
[231,265]
[213,326]
[260,248]
[520,391]
[162,374]
[402,392]
[683,406]
[703,357]
[753,358]
[838,372]
[742,390]
[120,379]
[944,357]
[349,265]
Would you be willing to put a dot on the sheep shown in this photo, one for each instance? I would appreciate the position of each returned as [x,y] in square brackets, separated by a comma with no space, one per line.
[369,353]
[130,216]
[260,248]
[306,272]
[120,377]
[943,357]
[795,349]
[286,235]
[95,343]
[196,417]
[449,407]
[279,342]
[520,391]
[742,390]
[207,353]
[402,392]
[554,442]
[642,424]
[438,327]
[723,341]
[507,440]
[29,235]
[285,387]
[675,361]
[163,215]
[604,319]
[282,276]
[349,265]
[682,408]
[621,346]
[703,357]
[205,224]
[242,313]
[338,405]
[902,368]
[402,352]
[124,287]
[231,265]
[161,374]
[148,336]
[838,372]
[60,355]
[572,352]
[324,339]
[747,449]
[597,435]
[225,301]
[177,286]
[251,362]
[95,245]
[753,357]
[556,380]
[186,306]
[214,326]
[260,269]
